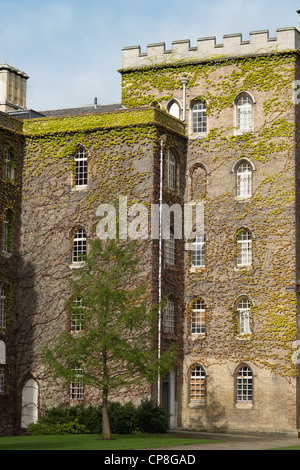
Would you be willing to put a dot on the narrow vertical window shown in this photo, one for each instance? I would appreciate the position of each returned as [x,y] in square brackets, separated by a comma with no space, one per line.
[244,113]
[170,253]
[243,313]
[199,117]
[244,180]
[198,184]
[5,233]
[174,109]
[76,385]
[3,301]
[81,169]
[198,251]
[8,165]
[79,246]
[197,384]
[244,248]
[169,317]
[244,384]
[198,317]
[2,379]
[77,318]
[171,171]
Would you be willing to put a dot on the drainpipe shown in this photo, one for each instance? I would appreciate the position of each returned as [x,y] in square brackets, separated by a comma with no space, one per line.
[184,81]
[162,141]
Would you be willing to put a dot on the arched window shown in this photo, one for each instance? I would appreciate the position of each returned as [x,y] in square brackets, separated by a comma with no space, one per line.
[169,317]
[244,112]
[171,171]
[79,246]
[170,249]
[198,317]
[174,109]
[197,384]
[198,183]
[244,385]
[243,316]
[244,248]
[30,397]
[9,173]
[3,301]
[199,117]
[81,169]
[244,180]
[198,251]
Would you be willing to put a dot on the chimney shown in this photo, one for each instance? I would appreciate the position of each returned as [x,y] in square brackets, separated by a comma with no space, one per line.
[13,85]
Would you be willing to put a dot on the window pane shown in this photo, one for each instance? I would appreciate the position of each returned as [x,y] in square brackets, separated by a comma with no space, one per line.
[243,310]
[244,180]
[76,386]
[197,384]
[199,117]
[79,247]
[81,168]
[171,171]
[244,385]
[169,317]
[198,317]
[244,248]
[170,250]
[244,113]
[2,308]
[198,251]
[77,319]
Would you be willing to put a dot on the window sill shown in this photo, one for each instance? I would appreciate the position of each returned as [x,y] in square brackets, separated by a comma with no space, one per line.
[77,265]
[244,337]
[196,404]
[197,269]
[6,254]
[196,336]
[198,135]
[243,268]
[79,188]
[244,406]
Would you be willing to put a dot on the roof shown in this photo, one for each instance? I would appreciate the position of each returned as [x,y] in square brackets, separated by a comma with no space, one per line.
[89,109]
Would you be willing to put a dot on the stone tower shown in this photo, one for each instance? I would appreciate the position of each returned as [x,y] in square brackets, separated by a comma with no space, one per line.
[12,88]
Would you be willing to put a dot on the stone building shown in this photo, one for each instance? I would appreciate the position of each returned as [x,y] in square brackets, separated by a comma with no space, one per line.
[223,118]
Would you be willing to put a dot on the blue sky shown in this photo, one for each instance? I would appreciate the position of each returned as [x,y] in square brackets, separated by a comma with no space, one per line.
[72,49]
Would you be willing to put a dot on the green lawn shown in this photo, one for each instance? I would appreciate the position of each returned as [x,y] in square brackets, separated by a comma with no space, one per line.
[94,442]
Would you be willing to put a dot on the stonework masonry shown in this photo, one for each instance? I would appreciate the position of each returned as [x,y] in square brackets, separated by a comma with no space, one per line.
[225,120]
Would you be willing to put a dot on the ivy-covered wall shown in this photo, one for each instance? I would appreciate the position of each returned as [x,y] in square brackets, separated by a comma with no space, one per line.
[270,215]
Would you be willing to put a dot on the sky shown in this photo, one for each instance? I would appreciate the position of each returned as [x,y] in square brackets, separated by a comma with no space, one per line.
[72,49]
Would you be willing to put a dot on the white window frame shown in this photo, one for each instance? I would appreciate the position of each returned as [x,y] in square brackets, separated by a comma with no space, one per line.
[244,248]
[244,174]
[197,385]
[243,312]
[171,171]
[79,246]
[77,316]
[244,385]
[5,233]
[77,385]
[198,251]
[244,108]
[81,169]
[3,313]
[199,118]
[198,326]
[9,173]
[170,250]
[169,317]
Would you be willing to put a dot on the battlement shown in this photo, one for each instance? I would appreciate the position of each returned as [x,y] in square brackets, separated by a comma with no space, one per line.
[259,43]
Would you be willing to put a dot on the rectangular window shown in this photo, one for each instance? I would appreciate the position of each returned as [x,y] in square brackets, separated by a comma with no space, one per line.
[76,386]
[169,317]
[5,234]
[199,117]
[2,379]
[170,256]
[77,319]
[244,385]
[198,319]
[81,170]
[198,251]
[2,308]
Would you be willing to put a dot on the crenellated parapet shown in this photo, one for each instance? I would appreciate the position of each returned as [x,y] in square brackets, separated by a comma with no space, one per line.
[259,42]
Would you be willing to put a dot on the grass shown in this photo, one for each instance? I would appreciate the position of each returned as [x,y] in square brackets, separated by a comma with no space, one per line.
[94,442]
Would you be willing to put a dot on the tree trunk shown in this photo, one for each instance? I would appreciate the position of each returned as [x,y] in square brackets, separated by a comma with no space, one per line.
[106,432]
